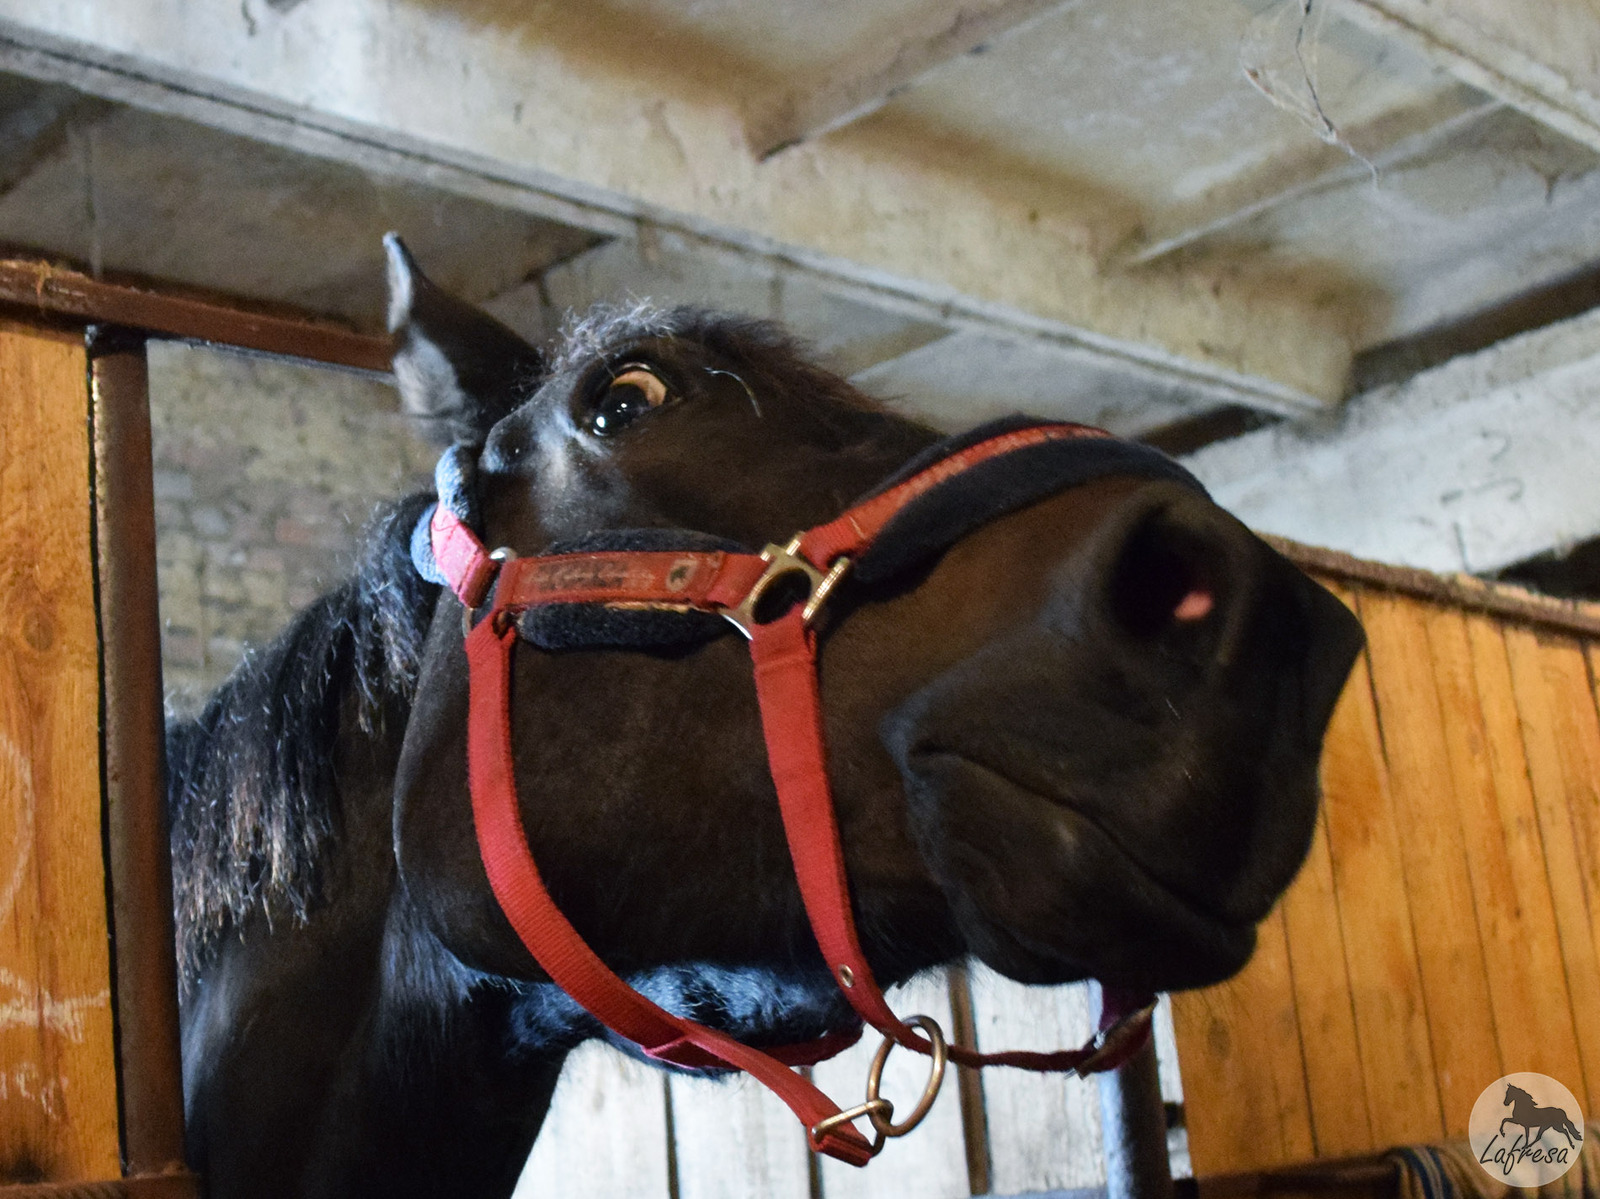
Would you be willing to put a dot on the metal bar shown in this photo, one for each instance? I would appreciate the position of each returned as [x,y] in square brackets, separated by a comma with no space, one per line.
[44,288]
[1134,1129]
[132,734]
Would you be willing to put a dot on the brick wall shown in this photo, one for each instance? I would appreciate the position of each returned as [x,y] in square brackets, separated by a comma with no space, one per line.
[265,472]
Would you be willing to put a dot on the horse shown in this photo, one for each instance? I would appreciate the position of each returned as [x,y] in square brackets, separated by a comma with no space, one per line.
[1080,741]
[1528,1115]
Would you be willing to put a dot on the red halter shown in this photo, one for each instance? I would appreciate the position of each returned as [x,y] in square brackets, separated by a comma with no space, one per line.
[783,650]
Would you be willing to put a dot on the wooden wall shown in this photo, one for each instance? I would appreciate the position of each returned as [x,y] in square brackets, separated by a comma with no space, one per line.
[1446,929]
[618,1127]
[58,1098]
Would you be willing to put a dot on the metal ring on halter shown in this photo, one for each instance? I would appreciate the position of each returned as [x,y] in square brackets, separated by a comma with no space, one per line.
[883,1120]
[782,562]
[469,616]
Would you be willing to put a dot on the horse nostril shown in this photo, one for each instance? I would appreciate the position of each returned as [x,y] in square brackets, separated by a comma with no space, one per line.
[1196,605]
[1161,577]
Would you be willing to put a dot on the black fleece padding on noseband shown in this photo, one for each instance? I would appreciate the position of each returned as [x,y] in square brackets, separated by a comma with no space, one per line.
[595,626]
[935,520]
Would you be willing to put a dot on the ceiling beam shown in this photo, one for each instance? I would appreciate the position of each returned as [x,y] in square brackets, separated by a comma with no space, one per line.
[1539,56]
[1472,466]
[548,110]
[873,77]
[1392,140]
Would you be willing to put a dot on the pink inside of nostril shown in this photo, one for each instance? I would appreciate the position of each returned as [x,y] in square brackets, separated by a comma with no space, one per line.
[1196,605]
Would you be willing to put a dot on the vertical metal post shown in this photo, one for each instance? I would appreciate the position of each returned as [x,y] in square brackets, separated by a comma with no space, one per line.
[1134,1129]
[132,731]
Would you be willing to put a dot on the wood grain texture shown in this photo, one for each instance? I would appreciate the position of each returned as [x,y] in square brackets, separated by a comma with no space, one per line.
[1516,916]
[1341,1123]
[606,1134]
[1244,1084]
[1044,1129]
[931,1162]
[1438,884]
[1557,715]
[1443,930]
[1375,917]
[735,1138]
[58,1106]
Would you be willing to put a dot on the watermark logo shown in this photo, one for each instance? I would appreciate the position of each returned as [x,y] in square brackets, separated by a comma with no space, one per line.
[1526,1130]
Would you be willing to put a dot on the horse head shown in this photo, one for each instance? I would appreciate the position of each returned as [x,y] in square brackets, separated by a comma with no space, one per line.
[1072,725]
[1079,741]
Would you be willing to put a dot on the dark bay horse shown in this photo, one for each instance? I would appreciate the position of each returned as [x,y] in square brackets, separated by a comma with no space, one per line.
[1081,741]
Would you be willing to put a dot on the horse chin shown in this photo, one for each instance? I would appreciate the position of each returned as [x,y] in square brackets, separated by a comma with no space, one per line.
[1043,894]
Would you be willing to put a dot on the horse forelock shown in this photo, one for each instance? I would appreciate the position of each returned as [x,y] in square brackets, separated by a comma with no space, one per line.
[252,793]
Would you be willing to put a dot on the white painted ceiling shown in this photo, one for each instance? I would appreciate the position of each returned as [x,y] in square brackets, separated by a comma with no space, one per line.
[1296,153]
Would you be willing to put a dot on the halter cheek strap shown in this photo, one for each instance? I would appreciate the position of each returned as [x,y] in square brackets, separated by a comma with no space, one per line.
[783,652]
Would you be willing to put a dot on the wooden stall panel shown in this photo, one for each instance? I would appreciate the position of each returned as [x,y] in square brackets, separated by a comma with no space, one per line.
[1446,927]
[1244,1088]
[1444,918]
[1516,915]
[1044,1129]
[1562,740]
[931,1163]
[735,1138]
[58,1107]
[1336,1091]
[606,1134]
[1375,918]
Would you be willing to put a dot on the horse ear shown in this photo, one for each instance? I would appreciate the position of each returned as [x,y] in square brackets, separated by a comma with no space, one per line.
[458,369]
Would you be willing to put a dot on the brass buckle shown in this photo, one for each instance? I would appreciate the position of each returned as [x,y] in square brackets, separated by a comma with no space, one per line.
[880,1111]
[783,561]
[469,616]
[1114,1039]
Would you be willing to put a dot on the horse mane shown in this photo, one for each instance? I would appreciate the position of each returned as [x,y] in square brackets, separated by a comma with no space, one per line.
[252,794]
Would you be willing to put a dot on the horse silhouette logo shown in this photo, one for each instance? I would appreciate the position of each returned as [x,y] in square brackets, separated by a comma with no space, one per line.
[1526,1130]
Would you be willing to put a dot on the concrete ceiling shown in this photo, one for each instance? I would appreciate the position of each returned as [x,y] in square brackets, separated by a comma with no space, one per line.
[1139,214]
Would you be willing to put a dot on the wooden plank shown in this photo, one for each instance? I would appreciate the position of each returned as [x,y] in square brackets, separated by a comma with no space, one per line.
[734,1138]
[1044,1129]
[138,852]
[58,1105]
[1438,886]
[1558,731]
[45,288]
[1466,592]
[606,1134]
[930,1163]
[1341,1123]
[1245,1102]
[1516,919]
[1375,918]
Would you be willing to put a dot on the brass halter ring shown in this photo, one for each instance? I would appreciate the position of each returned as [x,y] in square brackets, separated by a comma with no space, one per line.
[784,561]
[880,1111]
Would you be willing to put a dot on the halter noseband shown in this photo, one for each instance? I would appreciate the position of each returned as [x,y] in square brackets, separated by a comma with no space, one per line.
[927,506]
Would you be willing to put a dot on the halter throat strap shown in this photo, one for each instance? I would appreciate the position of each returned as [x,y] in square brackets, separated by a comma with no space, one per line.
[783,651]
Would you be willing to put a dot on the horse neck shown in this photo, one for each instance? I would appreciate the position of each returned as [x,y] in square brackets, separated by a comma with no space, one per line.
[348,1053]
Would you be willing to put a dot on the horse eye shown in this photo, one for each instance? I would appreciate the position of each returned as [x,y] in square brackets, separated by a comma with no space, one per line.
[633,392]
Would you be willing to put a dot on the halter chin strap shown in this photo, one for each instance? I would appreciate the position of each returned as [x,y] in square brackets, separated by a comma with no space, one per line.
[783,650]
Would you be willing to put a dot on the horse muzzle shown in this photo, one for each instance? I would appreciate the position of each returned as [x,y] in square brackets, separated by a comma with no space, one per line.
[1123,786]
